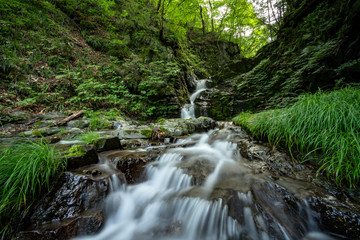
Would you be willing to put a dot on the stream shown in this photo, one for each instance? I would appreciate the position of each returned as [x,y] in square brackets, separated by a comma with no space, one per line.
[201,188]
[216,185]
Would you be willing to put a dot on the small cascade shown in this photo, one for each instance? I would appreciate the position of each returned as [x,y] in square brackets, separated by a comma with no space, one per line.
[188,111]
[179,199]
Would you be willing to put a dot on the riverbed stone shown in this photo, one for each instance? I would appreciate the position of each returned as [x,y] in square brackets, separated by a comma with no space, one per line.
[131,132]
[45,131]
[133,163]
[85,224]
[81,124]
[18,116]
[52,116]
[75,131]
[90,157]
[107,143]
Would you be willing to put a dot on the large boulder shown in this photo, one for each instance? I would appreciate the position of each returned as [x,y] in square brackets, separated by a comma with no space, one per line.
[73,206]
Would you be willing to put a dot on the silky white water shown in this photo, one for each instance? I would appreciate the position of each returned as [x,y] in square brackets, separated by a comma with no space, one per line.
[162,208]
[188,111]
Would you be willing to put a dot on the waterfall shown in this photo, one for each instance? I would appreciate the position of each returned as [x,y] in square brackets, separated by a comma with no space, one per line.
[175,202]
[188,111]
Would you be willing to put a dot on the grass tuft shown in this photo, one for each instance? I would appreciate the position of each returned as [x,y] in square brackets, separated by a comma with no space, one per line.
[326,122]
[89,137]
[25,170]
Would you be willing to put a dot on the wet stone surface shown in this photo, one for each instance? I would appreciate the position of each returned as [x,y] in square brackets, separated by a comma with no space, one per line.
[72,207]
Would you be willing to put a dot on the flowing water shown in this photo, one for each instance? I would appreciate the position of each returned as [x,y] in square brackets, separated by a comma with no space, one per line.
[188,111]
[178,199]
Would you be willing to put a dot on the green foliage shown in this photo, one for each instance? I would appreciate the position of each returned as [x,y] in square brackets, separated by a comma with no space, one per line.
[26,168]
[116,61]
[89,137]
[146,132]
[76,150]
[323,122]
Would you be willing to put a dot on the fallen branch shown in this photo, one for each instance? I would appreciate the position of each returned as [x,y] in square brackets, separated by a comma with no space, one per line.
[69,118]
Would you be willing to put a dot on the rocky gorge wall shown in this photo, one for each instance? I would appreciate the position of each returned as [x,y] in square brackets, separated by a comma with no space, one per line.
[312,51]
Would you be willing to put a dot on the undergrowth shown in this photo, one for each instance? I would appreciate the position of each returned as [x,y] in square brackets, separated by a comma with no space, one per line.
[89,137]
[26,169]
[72,54]
[326,123]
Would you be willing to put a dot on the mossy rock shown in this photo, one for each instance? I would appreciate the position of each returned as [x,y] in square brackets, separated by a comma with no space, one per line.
[107,143]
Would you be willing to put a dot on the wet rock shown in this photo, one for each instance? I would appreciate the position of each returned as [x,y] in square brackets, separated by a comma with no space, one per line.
[134,143]
[71,195]
[132,163]
[336,216]
[52,116]
[85,224]
[276,162]
[72,207]
[107,144]
[90,157]
[17,116]
[81,124]
[46,131]
[75,131]
[45,123]
[179,127]
[169,128]
[132,132]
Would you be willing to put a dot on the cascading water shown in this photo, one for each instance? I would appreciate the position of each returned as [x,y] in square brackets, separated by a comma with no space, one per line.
[176,200]
[188,111]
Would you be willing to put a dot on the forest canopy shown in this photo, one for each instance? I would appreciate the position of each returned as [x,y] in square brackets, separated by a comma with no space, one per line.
[250,24]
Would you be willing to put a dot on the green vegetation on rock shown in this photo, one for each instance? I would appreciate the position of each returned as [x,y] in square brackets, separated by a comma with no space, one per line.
[323,123]
[76,150]
[89,137]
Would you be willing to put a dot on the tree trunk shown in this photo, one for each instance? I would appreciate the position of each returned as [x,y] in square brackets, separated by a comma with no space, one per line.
[269,19]
[202,21]
[158,6]
[211,16]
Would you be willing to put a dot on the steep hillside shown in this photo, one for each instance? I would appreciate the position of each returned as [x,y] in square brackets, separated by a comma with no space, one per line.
[72,54]
[317,47]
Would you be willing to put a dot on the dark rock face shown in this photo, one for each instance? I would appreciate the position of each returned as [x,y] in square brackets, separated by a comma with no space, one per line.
[73,206]
[220,101]
[216,53]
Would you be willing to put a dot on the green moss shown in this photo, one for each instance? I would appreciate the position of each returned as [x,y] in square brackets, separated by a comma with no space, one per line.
[37,133]
[161,120]
[146,132]
[76,150]
[131,131]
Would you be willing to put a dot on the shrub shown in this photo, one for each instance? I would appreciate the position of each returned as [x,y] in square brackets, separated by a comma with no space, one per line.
[325,122]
